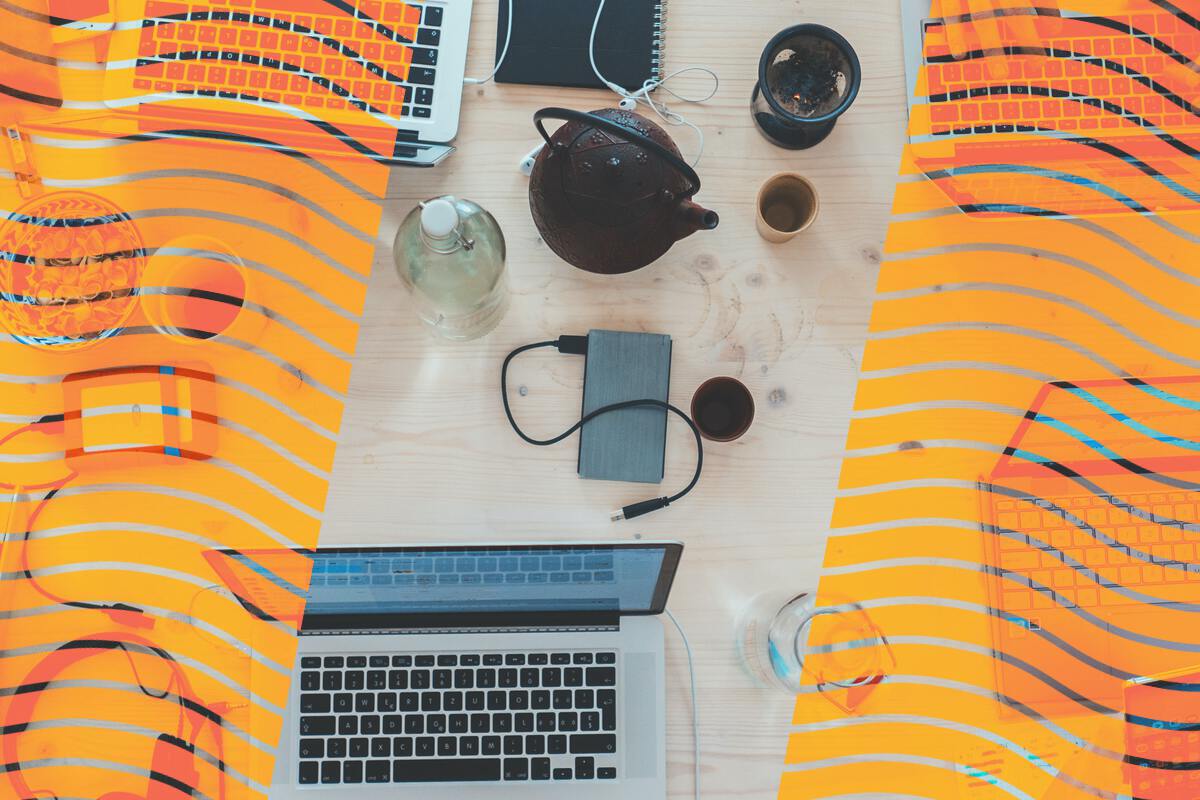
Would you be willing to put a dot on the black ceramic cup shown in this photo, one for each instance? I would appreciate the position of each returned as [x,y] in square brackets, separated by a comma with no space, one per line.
[722,409]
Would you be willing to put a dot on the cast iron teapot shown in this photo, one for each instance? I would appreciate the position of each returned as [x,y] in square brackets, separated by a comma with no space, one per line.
[610,192]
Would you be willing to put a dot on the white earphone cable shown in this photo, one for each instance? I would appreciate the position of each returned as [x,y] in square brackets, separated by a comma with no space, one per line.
[503,52]
[643,95]
[695,713]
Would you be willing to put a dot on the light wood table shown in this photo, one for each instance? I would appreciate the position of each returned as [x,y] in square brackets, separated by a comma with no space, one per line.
[426,455]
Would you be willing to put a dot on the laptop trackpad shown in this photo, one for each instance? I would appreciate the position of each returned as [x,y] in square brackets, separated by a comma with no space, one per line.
[641,713]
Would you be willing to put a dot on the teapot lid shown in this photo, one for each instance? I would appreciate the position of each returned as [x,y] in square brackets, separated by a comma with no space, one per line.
[623,131]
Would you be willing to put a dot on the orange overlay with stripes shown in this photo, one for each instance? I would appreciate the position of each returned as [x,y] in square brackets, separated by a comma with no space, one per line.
[1018,508]
[190,195]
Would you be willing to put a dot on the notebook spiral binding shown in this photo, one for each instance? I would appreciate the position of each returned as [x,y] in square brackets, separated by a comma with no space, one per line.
[660,31]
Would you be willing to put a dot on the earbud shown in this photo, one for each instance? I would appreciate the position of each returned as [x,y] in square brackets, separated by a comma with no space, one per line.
[529,160]
[628,104]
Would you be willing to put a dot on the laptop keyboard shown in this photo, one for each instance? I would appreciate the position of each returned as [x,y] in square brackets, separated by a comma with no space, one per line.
[382,60]
[1045,537]
[463,717]
[1089,62]
[466,568]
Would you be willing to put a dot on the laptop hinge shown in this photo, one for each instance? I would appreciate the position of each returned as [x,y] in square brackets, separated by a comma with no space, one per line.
[475,631]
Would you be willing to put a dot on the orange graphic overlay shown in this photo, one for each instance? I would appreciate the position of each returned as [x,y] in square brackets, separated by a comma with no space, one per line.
[1017,511]
[181,281]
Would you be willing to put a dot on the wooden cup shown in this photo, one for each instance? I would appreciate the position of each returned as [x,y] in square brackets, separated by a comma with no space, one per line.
[787,204]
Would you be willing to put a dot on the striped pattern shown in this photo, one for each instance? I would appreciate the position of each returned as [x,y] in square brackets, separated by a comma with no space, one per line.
[134,441]
[1033,339]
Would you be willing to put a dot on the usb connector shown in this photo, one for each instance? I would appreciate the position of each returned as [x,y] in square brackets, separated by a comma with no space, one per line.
[572,345]
[638,509]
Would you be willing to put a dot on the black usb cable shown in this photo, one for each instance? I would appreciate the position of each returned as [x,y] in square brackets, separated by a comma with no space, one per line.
[578,346]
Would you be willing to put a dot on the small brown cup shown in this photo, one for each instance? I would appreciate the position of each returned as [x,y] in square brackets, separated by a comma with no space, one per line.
[722,409]
[787,204]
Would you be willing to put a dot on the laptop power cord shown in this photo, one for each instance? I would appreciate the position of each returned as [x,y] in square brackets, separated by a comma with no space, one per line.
[578,345]
[691,662]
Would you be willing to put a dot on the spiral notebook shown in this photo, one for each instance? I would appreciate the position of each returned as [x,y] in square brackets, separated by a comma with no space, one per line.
[550,38]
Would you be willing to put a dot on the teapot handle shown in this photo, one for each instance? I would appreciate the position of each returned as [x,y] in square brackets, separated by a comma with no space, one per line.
[615,128]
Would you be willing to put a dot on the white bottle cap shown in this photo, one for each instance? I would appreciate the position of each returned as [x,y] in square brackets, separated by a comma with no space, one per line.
[439,219]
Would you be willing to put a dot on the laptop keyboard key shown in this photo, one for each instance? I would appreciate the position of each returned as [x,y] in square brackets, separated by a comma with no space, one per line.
[539,700]
[318,726]
[446,770]
[585,769]
[429,36]
[443,678]
[310,772]
[568,721]
[516,769]
[331,681]
[356,662]
[562,774]
[386,702]
[379,661]
[376,679]
[310,662]
[545,722]
[343,703]
[347,725]
[331,662]
[589,743]
[492,659]
[315,704]
[402,747]
[359,747]
[401,661]
[398,679]
[422,76]
[490,745]
[573,676]
[312,748]
[408,701]
[502,723]
[468,746]
[310,681]
[447,747]
[606,773]
[378,771]
[606,658]
[589,721]
[331,772]
[556,744]
[381,747]
[513,745]
[601,676]
[433,16]
[426,746]
[425,661]
[336,748]
[523,723]
[560,658]
[435,723]
[459,723]
[352,772]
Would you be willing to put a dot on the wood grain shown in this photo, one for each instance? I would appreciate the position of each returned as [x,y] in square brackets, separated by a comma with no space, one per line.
[426,455]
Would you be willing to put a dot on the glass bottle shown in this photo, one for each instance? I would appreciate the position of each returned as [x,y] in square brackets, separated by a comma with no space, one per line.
[450,254]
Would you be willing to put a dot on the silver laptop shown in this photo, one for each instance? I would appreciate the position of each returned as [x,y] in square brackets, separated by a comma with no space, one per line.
[382,79]
[478,671]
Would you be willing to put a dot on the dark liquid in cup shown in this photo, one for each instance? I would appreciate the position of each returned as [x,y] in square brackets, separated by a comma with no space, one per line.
[723,409]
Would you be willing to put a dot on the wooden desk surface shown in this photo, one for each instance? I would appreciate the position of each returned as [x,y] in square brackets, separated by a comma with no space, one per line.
[426,455]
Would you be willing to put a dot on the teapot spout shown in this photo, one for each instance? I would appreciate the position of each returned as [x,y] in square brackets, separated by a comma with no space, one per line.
[693,217]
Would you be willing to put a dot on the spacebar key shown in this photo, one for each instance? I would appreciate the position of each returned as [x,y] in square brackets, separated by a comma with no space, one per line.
[445,770]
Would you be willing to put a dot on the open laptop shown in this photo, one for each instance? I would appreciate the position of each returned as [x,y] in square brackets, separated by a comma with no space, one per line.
[474,671]
[1091,518]
[1080,125]
[380,78]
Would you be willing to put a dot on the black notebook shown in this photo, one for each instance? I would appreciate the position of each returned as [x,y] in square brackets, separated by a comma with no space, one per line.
[549,44]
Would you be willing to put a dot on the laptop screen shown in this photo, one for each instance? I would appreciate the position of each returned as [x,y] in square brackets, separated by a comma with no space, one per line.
[471,582]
